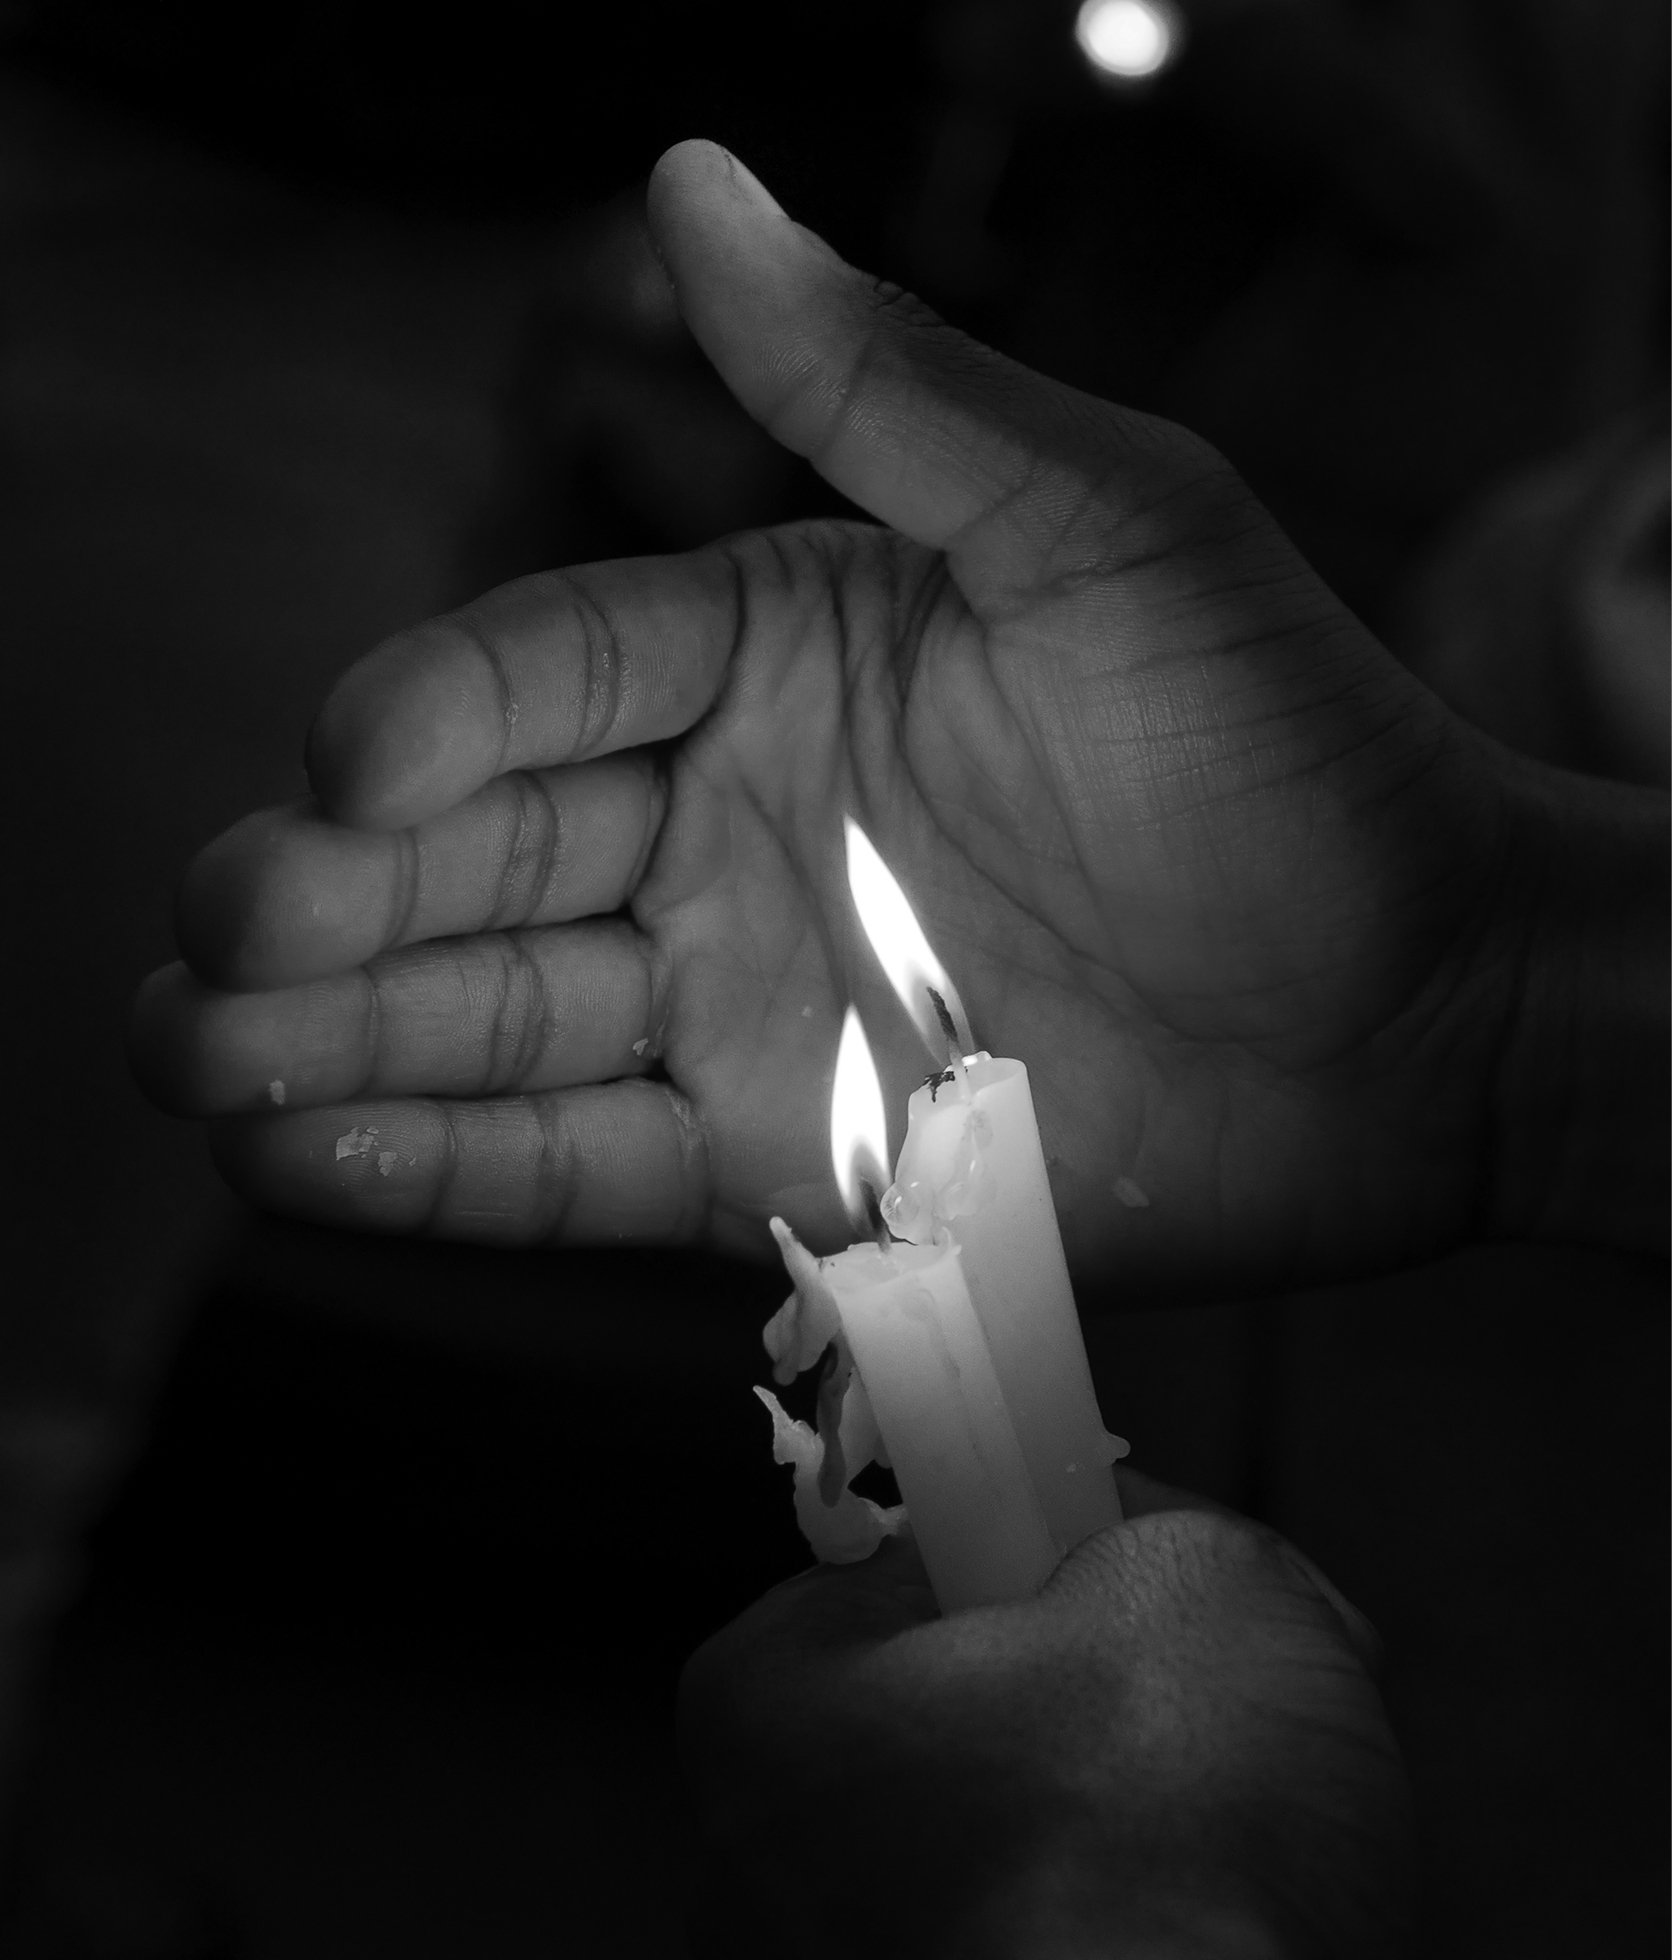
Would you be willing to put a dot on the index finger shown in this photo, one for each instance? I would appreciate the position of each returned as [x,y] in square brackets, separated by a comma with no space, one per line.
[550,669]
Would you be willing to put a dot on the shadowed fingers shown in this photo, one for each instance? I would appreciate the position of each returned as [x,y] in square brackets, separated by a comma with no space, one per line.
[287,895]
[497,1014]
[590,1166]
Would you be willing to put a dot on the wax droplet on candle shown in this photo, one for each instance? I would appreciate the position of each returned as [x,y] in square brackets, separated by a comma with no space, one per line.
[1131,1194]
[276,1090]
[957,1186]
[838,1534]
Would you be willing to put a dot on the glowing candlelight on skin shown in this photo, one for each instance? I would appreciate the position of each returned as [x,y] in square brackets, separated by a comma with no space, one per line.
[972,1168]
[907,1380]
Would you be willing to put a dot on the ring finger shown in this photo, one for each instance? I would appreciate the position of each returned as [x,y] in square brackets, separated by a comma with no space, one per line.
[494,1014]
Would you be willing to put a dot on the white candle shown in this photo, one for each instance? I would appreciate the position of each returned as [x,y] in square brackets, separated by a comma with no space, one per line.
[917,1347]
[972,1167]
[972,1164]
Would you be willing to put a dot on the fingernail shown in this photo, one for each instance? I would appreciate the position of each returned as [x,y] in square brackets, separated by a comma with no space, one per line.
[748,186]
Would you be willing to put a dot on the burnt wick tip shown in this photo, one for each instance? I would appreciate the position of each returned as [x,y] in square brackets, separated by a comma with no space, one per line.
[944,1019]
[876,1227]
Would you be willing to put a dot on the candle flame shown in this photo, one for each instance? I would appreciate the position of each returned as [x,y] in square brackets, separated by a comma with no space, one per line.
[902,949]
[860,1142]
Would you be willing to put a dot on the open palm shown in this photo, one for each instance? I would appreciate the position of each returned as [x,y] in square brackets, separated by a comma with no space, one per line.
[561,951]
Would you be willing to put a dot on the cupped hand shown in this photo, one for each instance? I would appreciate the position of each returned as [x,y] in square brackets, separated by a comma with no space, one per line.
[1176,1749]
[559,950]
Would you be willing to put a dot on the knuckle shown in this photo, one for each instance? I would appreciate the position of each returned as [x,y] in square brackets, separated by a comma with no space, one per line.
[372,1028]
[655,772]
[534,851]
[437,1219]
[556,1172]
[404,888]
[601,671]
[520,1015]
[485,644]
[693,1214]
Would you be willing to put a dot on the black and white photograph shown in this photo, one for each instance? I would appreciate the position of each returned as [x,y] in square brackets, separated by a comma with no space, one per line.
[839,957]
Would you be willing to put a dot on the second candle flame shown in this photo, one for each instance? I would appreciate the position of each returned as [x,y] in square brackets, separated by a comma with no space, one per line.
[900,943]
[860,1141]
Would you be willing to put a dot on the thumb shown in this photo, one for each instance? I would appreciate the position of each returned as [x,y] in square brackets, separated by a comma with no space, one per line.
[939,437]
[1144,1496]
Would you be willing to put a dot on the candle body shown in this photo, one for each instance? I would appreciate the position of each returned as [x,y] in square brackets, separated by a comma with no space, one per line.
[920,1353]
[972,1164]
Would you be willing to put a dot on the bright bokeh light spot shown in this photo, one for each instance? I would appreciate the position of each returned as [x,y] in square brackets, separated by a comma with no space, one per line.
[1129,39]
[899,941]
[860,1142]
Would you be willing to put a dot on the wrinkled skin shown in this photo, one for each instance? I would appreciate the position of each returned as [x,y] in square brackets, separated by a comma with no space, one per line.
[562,942]
[1176,1749]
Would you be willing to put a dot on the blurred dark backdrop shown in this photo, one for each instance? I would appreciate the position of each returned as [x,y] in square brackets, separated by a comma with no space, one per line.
[343,1583]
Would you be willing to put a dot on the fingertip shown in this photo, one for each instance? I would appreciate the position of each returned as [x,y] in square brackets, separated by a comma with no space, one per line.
[216,905]
[697,169]
[197,1051]
[150,1039]
[903,415]
[692,156]
[369,1168]
[280,898]
[409,730]
[758,291]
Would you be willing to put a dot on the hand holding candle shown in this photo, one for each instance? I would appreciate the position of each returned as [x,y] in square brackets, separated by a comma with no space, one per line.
[1065,1775]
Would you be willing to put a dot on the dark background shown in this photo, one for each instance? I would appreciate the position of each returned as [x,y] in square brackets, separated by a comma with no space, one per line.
[343,1583]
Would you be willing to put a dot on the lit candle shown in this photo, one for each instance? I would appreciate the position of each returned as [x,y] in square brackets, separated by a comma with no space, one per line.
[923,1396]
[972,1167]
